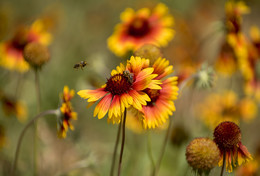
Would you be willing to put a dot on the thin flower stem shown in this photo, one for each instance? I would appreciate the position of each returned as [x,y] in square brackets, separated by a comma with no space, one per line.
[38,95]
[48,112]
[185,82]
[157,167]
[149,149]
[37,89]
[223,166]
[115,149]
[122,145]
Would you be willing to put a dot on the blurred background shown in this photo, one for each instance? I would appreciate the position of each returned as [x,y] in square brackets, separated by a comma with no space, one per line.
[79,32]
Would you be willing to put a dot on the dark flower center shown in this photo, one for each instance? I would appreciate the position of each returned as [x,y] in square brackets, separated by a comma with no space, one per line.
[234,25]
[118,84]
[139,27]
[153,94]
[227,135]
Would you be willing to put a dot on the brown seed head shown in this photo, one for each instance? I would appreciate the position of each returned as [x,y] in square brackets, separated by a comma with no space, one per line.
[227,135]
[149,51]
[36,54]
[202,154]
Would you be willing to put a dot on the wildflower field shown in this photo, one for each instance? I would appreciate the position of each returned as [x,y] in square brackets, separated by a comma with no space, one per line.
[130,88]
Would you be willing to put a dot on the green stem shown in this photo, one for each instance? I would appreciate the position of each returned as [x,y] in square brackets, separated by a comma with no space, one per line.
[38,95]
[115,149]
[48,112]
[223,166]
[149,148]
[122,145]
[157,167]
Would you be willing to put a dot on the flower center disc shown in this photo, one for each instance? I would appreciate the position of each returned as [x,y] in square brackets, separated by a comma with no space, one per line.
[139,27]
[118,84]
[153,94]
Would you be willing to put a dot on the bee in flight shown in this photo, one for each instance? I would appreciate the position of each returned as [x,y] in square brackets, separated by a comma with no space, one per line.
[81,65]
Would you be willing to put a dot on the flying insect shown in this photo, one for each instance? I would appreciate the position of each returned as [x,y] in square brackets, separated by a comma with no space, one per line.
[81,65]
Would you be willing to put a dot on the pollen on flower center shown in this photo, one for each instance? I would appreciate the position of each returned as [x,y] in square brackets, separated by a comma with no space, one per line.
[227,135]
[118,84]
[153,94]
[139,27]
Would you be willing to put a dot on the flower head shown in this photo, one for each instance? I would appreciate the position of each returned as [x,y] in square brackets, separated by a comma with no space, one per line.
[11,106]
[161,106]
[123,89]
[202,154]
[11,52]
[205,77]
[226,107]
[67,113]
[36,54]
[234,11]
[227,136]
[141,27]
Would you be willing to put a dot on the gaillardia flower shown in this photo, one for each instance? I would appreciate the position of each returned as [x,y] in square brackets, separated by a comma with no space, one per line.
[123,89]
[202,154]
[226,107]
[227,136]
[11,106]
[11,52]
[141,27]
[67,113]
[157,111]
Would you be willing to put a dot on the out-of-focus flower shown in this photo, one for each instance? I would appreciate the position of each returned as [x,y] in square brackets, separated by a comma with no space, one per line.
[202,154]
[226,107]
[36,54]
[234,11]
[179,135]
[252,81]
[124,88]
[2,136]
[14,107]
[161,106]
[226,62]
[234,50]
[11,52]
[141,27]
[149,51]
[227,136]
[205,77]
[67,113]
[248,169]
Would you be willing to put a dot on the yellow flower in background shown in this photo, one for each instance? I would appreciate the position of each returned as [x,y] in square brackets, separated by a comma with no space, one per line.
[234,11]
[248,169]
[217,108]
[252,83]
[226,62]
[67,113]
[11,52]
[141,27]
[123,89]
[14,107]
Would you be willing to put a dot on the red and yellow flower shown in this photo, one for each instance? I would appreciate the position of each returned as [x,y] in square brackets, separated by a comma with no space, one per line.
[123,89]
[252,83]
[67,113]
[141,27]
[161,106]
[234,50]
[11,52]
[227,136]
